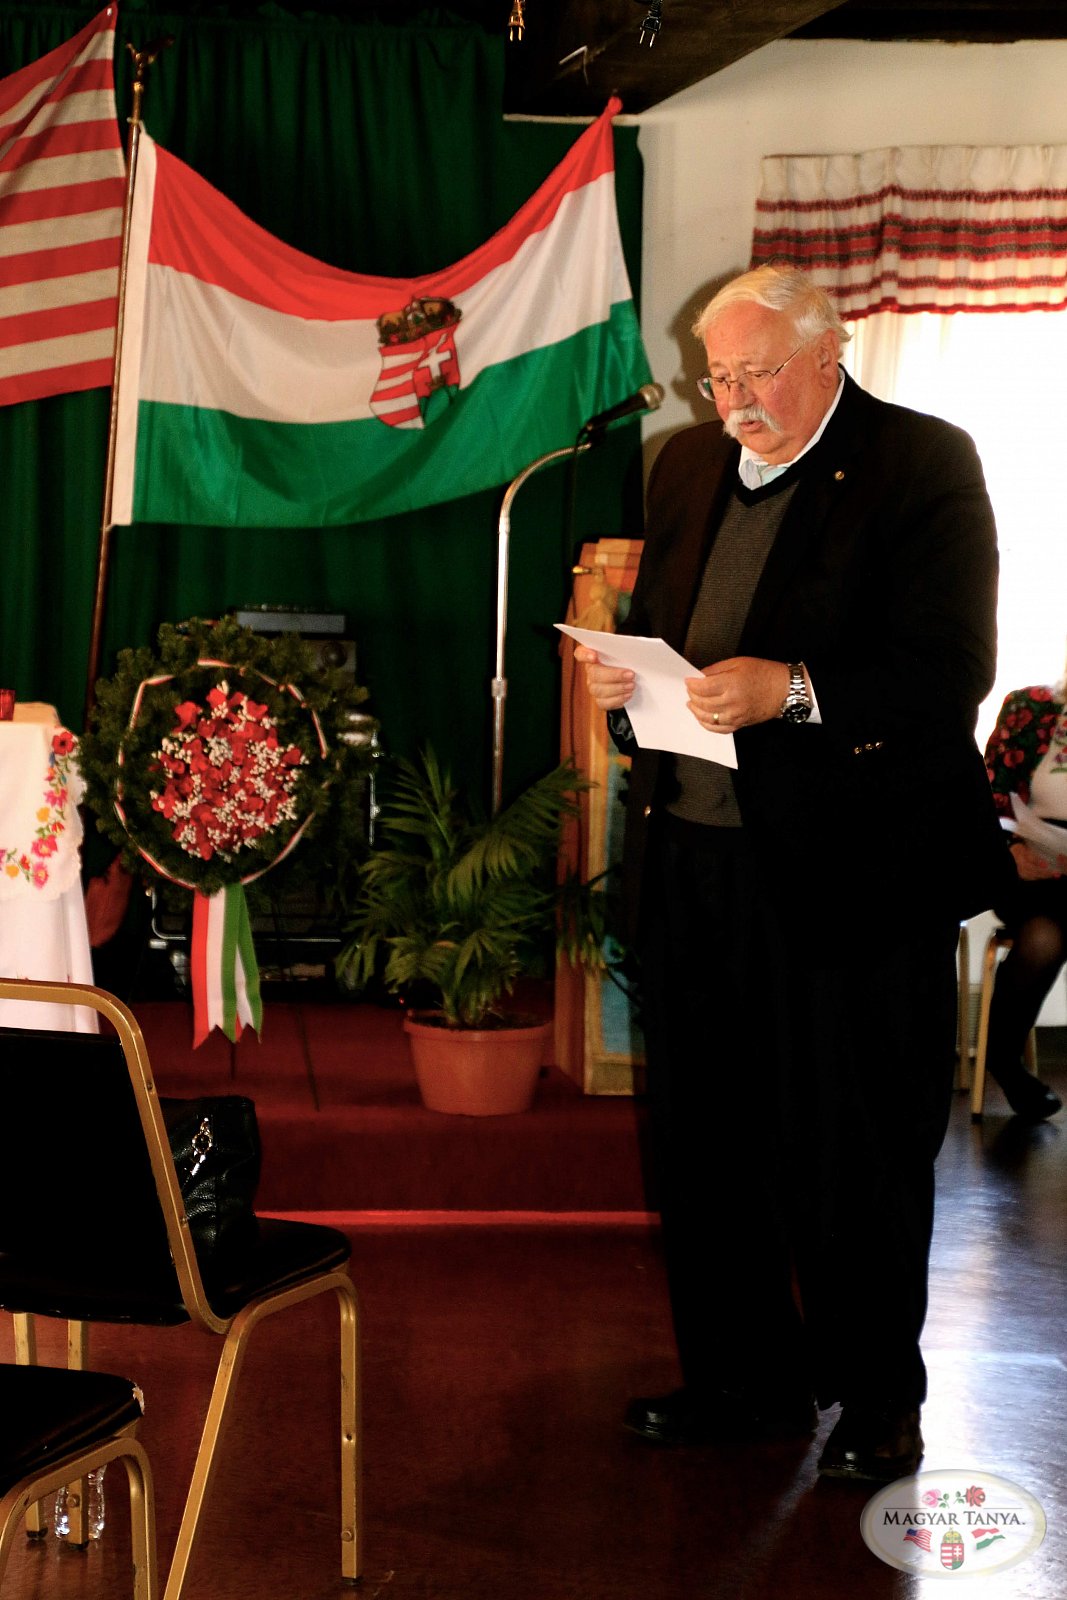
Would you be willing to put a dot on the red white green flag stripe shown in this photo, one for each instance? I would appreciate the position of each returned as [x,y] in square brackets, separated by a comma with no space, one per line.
[263,388]
[62,189]
[224,976]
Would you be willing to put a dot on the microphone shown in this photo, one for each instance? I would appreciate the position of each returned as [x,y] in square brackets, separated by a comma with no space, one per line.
[648,398]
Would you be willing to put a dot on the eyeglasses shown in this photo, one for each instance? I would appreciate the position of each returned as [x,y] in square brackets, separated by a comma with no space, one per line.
[710,386]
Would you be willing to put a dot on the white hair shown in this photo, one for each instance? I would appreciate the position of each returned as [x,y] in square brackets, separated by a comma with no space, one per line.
[787,289]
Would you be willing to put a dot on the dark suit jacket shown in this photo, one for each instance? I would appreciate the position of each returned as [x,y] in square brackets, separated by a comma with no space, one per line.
[882,580]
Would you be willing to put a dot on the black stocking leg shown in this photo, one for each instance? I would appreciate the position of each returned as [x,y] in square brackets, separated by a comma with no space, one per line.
[1024,978]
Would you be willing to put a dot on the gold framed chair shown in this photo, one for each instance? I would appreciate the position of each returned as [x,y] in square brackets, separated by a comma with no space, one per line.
[84,1124]
[963,1009]
[57,1425]
[998,943]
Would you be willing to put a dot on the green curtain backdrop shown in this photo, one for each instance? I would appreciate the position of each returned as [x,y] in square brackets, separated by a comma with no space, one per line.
[380,148]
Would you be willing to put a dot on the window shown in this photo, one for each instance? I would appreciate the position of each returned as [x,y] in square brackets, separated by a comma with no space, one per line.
[1002,377]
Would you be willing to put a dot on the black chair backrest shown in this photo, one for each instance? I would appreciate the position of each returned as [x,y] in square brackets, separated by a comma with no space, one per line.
[81,1224]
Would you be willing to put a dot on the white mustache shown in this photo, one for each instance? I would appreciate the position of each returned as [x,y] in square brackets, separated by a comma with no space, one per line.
[751,413]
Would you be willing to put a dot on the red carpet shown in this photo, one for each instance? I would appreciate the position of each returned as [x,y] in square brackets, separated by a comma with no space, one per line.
[344,1130]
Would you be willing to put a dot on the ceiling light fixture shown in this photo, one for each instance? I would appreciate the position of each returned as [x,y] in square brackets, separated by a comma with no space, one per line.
[652,23]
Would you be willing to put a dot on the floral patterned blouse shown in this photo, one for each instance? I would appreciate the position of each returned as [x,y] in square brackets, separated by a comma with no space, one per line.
[1024,732]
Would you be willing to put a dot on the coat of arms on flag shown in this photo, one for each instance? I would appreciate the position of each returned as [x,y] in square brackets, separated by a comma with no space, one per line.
[418,351]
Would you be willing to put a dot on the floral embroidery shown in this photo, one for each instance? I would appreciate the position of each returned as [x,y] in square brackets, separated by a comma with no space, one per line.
[1025,728]
[32,865]
[1059,747]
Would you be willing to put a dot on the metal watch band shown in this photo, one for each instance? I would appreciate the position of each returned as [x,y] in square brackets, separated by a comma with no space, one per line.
[796,707]
[798,688]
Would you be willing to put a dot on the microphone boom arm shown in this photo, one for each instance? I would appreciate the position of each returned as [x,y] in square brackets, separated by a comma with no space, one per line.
[648,398]
[503,551]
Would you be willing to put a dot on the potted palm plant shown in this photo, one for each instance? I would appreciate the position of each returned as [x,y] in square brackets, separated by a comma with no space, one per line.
[455,906]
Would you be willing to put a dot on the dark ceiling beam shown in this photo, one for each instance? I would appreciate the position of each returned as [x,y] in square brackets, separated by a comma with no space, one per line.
[575,55]
[948,21]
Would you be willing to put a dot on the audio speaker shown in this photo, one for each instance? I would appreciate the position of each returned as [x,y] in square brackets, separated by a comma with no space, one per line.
[290,619]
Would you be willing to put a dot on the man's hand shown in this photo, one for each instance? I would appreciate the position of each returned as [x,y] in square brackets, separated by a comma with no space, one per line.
[737,693]
[610,687]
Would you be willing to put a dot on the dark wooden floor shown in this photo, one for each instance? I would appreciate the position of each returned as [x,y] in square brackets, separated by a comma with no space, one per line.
[498,1359]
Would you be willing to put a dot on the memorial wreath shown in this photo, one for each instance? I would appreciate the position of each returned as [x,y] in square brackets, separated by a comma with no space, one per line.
[206,763]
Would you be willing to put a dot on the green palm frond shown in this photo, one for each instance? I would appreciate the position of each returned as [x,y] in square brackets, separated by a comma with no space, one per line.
[458,901]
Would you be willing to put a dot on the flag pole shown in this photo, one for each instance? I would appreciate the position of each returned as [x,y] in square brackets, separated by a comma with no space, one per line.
[142,59]
[503,550]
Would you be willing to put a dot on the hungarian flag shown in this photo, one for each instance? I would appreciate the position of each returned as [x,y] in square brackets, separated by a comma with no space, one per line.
[262,388]
[62,188]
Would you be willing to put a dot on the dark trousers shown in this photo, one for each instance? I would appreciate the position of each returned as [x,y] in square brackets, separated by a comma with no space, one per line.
[799,1091]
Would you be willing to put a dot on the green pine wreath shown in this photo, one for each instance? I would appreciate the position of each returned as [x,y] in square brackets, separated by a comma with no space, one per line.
[208,759]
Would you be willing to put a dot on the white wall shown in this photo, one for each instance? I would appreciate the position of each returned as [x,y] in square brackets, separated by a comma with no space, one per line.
[702,150]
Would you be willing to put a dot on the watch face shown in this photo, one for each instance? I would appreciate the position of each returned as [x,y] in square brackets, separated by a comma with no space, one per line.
[796,713]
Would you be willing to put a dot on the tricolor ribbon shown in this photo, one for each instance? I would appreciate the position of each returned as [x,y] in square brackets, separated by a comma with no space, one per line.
[224,974]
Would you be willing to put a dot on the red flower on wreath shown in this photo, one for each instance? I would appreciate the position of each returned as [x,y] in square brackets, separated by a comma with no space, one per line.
[228,780]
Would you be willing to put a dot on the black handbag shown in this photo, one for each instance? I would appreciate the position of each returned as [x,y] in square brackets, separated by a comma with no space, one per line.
[217,1155]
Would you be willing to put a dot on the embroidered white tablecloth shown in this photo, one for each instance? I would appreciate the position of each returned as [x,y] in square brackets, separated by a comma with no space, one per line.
[42,915]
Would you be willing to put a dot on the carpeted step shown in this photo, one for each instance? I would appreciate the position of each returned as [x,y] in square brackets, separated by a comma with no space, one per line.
[344,1129]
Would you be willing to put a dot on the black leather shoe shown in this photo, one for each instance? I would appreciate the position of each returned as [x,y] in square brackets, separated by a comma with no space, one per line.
[1029,1098]
[676,1418]
[873,1444]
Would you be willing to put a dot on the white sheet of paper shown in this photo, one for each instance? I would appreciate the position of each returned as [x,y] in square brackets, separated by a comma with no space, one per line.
[657,708]
[1046,837]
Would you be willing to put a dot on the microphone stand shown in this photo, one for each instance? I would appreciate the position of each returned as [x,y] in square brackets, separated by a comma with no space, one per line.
[503,548]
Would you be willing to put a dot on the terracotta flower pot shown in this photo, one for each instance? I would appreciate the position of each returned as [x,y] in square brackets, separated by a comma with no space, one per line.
[477,1072]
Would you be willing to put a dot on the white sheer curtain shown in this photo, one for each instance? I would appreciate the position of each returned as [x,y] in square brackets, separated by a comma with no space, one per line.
[1004,379]
[951,266]
[950,263]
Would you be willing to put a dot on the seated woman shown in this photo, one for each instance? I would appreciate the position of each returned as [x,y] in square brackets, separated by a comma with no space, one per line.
[1027,756]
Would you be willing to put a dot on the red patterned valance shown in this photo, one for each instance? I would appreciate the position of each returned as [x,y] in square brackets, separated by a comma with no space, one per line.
[922,228]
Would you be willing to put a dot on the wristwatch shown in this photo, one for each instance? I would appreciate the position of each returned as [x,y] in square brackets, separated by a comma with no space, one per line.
[796,707]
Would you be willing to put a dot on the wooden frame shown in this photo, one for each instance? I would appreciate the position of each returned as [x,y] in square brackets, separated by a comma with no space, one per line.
[597,1043]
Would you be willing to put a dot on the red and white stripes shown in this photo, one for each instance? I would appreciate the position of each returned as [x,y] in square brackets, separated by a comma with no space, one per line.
[921,228]
[62,186]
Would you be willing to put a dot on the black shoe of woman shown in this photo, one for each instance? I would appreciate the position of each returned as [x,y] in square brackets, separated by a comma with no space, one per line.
[1028,1097]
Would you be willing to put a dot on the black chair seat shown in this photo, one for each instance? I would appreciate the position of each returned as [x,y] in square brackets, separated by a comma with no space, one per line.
[80,1294]
[48,1412]
[284,1253]
[93,1228]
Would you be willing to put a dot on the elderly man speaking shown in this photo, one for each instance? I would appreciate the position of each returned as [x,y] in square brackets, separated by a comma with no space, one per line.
[829,564]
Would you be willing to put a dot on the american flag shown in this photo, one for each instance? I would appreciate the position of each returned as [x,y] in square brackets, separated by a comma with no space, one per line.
[919,1536]
[62,187]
